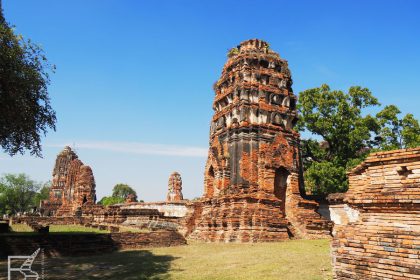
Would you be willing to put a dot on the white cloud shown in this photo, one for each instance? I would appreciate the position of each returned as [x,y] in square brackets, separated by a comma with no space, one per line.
[327,72]
[138,148]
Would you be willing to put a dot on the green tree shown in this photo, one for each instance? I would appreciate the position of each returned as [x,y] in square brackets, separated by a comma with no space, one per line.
[17,193]
[110,200]
[119,195]
[337,117]
[396,132]
[25,113]
[347,134]
[122,191]
[43,194]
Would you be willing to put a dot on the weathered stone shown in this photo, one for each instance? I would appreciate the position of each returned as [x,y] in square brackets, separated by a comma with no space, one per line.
[73,185]
[169,209]
[174,188]
[253,186]
[383,240]
[86,243]
[131,198]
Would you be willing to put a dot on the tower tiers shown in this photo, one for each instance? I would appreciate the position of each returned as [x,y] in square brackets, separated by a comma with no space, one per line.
[174,188]
[251,136]
[253,171]
[73,185]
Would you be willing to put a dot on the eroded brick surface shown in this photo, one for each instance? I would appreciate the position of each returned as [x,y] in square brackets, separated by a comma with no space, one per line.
[73,185]
[252,186]
[174,188]
[384,241]
[79,244]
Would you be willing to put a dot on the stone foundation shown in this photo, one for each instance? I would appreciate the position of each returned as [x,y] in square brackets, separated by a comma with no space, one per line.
[240,219]
[169,209]
[86,244]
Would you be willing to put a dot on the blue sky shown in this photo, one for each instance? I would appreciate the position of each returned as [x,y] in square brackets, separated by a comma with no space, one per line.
[133,86]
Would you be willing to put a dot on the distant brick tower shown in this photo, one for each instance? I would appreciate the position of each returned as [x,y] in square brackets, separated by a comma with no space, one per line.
[73,184]
[174,188]
[60,172]
[253,169]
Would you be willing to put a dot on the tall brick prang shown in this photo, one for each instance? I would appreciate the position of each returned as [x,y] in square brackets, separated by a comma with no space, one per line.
[253,185]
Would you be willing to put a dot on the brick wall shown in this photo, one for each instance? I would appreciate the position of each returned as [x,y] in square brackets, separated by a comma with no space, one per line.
[384,241]
[85,243]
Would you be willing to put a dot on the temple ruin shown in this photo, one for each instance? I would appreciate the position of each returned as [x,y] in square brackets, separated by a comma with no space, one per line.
[174,188]
[253,186]
[377,231]
[73,185]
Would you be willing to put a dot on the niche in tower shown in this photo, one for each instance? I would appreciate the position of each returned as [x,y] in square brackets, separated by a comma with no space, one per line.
[280,185]
[210,182]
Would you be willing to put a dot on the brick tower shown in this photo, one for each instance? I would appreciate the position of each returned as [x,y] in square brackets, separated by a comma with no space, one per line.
[73,185]
[253,171]
[174,188]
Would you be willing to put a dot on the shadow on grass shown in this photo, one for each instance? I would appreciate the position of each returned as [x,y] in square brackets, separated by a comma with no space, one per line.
[141,264]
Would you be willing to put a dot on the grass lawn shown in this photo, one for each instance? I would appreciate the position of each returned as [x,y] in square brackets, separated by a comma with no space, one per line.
[294,260]
[74,229]
[23,228]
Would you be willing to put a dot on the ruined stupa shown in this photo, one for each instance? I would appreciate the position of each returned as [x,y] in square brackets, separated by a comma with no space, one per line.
[73,185]
[253,177]
[174,188]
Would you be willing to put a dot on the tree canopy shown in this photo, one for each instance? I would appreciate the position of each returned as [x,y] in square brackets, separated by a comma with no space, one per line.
[396,132]
[26,113]
[120,192]
[42,194]
[18,193]
[347,134]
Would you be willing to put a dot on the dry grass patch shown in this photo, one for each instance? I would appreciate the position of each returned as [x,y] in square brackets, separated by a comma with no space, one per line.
[294,260]
[25,229]
[289,260]
[74,229]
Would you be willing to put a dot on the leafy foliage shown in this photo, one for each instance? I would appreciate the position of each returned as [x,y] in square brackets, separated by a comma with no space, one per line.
[397,133]
[232,52]
[17,193]
[119,195]
[330,176]
[43,194]
[348,134]
[122,191]
[110,200]
[337,118]
[25,112]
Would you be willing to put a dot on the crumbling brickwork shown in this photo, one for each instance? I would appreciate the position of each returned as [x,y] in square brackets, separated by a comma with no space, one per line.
[131,198]
[73,185]
[80,244]
[174,188]
[382,241]
[253,170]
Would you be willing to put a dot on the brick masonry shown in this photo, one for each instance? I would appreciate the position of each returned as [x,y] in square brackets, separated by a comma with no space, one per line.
[253,189]
[73,185]
[383,240]
[85,243]
[174,188]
